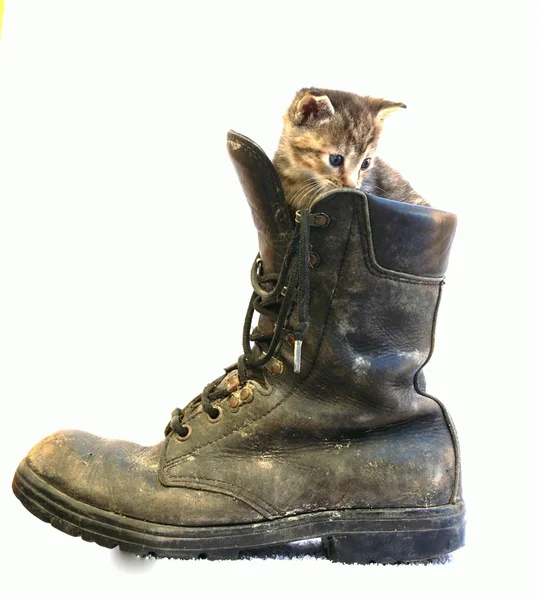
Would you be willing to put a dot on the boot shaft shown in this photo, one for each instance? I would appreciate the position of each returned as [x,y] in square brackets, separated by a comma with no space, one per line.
[354,419]
[375,285]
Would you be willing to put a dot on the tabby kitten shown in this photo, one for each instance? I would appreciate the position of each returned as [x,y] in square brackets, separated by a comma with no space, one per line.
[329,141]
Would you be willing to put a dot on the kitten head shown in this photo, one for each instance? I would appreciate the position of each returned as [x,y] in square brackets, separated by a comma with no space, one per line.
[329,139]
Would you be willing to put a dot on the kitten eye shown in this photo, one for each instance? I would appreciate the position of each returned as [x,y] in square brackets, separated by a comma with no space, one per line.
[365,164]
[336,160]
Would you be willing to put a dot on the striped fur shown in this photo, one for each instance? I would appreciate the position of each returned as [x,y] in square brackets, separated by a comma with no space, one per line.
[322,122]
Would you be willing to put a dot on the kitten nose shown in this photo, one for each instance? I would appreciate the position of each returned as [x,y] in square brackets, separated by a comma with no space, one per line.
[350,182]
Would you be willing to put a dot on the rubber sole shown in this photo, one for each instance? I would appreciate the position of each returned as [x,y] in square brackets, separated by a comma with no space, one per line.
[400,535]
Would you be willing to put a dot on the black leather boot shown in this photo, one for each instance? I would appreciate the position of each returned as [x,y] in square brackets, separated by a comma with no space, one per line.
[322,429]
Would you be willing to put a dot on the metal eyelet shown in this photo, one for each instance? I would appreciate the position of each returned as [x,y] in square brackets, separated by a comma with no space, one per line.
[276,367]
[234,403]
[314,259]
[182,438]
[320,220]
[290,339]
[218,417]
[246,394]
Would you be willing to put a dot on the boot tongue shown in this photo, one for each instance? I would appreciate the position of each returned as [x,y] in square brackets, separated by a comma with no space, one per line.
[265,196]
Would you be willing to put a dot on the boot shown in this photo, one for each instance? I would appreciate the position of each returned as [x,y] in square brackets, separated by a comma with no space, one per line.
[321,430]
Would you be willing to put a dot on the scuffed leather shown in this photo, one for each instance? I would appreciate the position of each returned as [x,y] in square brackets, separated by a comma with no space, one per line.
[122,477]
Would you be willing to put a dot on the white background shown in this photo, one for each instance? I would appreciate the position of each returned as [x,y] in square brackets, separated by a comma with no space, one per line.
[125,247]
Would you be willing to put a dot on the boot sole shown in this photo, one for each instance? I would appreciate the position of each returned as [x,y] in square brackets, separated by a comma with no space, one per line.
[396,535]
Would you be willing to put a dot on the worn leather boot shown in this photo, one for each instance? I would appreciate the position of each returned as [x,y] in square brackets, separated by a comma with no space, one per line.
[322,429]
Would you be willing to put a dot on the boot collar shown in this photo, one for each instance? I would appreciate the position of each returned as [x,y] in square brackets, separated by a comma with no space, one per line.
[264,193]
[403,237]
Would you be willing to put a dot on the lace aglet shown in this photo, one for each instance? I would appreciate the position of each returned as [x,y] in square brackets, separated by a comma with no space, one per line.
[297,355]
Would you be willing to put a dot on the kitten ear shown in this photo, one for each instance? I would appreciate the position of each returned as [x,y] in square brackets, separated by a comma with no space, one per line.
[316,108]
[383,108]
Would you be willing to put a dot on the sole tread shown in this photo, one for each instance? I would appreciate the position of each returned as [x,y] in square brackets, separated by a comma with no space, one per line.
[392,536]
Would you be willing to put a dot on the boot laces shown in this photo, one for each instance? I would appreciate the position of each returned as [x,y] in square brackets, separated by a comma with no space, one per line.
[291,285]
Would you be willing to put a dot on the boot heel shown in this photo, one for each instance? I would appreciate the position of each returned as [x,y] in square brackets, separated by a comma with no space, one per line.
[394,546]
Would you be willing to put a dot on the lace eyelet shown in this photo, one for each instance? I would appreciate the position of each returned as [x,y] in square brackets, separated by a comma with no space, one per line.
[314,259]
[290,339]
[218,417]
[320,220]
[234,403]
[276,367]
[246,394]
[182,438]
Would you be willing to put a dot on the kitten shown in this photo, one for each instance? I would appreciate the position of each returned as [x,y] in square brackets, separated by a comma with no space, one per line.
[329,141]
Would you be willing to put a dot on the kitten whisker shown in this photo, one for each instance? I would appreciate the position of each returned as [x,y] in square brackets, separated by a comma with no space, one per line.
[308,193]
[377,187]
[305,190]
[319,191]
[304,187]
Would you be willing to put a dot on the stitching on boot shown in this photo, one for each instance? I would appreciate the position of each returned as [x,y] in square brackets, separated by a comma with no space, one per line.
[372,264]
[231,489]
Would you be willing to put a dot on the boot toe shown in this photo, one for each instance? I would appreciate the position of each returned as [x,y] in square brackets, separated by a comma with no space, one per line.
[61,459]
[123,478]
[101,472]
